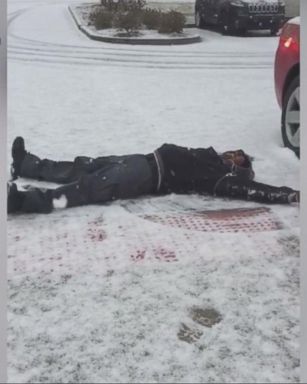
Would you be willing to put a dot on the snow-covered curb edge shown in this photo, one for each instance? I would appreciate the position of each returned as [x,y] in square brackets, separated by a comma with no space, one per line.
[125,40]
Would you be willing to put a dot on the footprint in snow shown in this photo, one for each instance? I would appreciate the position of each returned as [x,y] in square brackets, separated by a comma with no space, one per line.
[188,335]
[206,317]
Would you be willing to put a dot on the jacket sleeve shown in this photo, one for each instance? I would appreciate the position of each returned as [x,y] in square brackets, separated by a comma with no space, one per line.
[235,187]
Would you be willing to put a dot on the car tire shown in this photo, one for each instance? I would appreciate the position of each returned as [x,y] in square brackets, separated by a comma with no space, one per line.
[290,118]
[226,27]
[274,31]
[199,21]
[242,31]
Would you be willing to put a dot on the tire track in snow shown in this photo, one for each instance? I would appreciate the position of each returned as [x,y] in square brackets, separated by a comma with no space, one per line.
[53,47]
[136,64]
[75,59]
[141,60]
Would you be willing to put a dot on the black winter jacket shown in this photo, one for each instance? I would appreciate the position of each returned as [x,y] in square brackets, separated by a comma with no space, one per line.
[202,171]
[186,170]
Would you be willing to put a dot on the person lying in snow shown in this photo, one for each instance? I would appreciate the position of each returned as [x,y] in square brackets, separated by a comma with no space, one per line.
[169,169]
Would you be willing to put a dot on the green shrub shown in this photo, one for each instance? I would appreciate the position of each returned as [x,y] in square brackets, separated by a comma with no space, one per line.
[171,21]
[151,18]
[101,19]
[130,21]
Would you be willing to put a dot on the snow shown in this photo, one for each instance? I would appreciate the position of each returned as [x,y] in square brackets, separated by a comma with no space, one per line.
[144,34]
[100,293]
[60,203]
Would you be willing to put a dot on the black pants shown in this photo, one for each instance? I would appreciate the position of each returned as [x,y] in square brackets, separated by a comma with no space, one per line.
[87,180]
[64,172]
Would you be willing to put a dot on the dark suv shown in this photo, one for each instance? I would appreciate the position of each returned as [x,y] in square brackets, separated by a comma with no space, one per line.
[237,16]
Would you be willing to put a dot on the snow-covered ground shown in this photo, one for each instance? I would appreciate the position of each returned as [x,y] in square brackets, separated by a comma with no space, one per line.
[106,293]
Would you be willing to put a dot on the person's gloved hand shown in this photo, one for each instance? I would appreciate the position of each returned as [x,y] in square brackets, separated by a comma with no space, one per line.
[294,197]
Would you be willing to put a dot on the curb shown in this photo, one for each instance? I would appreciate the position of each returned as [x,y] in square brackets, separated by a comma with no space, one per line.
[122,40]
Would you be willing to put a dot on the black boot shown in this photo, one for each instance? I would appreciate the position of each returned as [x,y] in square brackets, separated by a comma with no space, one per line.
[14,198]
[37,200]
[18,155]
[34,200]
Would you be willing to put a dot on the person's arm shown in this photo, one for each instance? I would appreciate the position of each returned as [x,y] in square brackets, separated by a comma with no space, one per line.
[235,187]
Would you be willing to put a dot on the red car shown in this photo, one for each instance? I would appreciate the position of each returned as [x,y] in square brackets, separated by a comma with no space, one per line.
[287,83]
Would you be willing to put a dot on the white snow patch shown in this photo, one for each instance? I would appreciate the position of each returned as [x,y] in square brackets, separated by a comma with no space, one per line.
[60,203]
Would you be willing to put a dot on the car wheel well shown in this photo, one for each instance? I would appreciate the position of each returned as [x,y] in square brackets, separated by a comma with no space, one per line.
[223,12]
[295,71]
